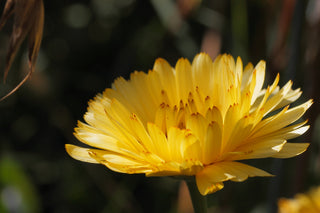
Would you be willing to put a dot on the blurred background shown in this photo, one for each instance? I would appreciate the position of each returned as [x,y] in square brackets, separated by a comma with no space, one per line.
[87,44]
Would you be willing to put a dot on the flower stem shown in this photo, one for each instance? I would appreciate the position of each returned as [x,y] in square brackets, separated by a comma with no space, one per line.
[199,202]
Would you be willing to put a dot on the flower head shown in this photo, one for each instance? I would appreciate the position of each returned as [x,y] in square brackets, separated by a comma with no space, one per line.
[194,119]
[301,203]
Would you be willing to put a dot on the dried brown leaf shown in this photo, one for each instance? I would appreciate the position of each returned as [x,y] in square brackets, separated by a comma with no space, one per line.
[7,12]
[35,35]
[28,21]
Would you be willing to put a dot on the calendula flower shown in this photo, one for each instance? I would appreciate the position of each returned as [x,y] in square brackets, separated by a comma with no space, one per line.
[195,119]
[301,203]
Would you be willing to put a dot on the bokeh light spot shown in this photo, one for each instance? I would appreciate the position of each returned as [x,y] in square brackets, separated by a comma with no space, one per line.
[77,16]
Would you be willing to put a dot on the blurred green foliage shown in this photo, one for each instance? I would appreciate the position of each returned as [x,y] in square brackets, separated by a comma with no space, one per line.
[87,44]
[18,194]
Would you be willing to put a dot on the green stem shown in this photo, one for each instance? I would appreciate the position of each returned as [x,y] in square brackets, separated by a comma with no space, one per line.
[199,202]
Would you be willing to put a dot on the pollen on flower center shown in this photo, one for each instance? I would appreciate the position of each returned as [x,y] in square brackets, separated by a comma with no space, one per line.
[176,114]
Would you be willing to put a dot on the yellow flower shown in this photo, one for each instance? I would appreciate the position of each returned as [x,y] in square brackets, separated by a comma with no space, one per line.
[194,119]
[301,203]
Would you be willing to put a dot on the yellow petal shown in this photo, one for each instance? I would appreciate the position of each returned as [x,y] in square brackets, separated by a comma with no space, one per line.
[96,138]
[260,149]
[246,96]
[164,172]
[281,120]
[231,118]
[239,134]
[259,105]
[115,162]
[208,188]
[184,79]
[155,87]
[178,141]
[139,92]
[260,73]
[290,97]
[125,90]
[167,117]
[274,101]
[212,143]
[193,152]
[202,72]
[182,150]
[96,115]
[214,115]
[160,117]
[246,76]
[198,125]
[167,79]
[159,142]
[241,172]
[291,149]
[79,153]
[286,133]
[238,71]
[119,113]
[127,127]
[131,95]
[223,171]
[121,163]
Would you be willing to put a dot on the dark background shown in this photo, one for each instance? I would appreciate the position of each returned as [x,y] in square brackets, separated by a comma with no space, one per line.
[87,44]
